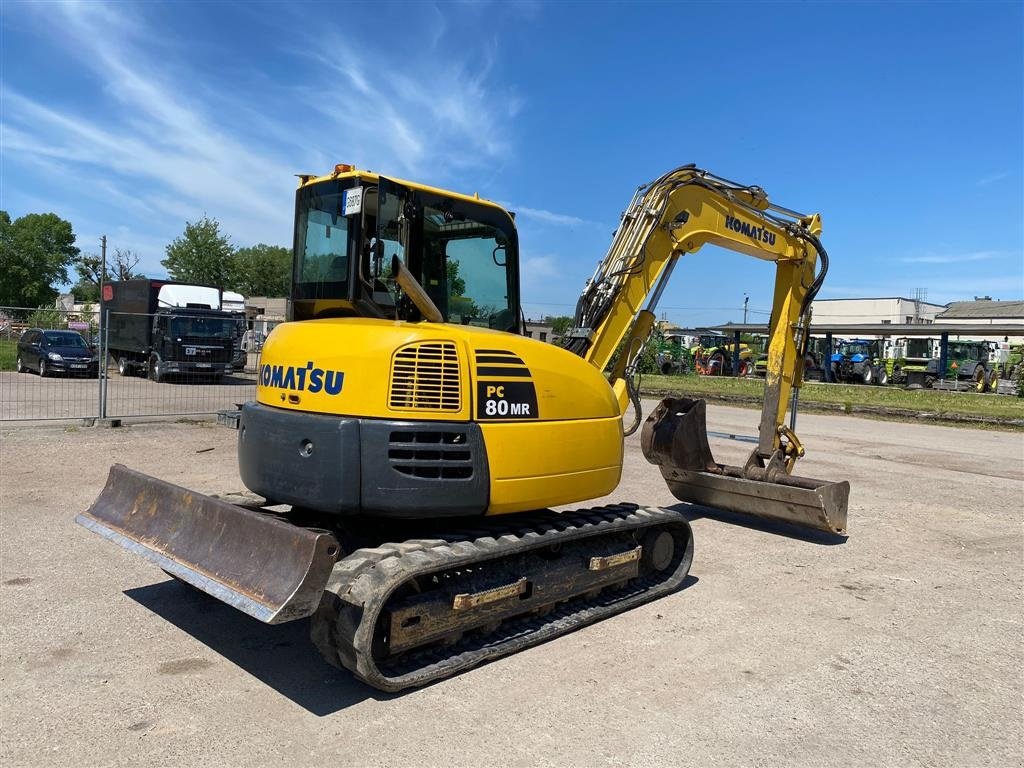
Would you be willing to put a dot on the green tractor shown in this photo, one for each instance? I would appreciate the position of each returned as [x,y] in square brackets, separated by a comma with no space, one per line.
[972,360]
[814,370]
[672,356]
[713,355]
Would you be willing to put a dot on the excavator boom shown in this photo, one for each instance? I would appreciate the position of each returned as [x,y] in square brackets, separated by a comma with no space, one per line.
[675,215]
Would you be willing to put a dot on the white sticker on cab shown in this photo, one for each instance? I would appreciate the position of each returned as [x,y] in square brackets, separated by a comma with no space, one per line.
[352,201]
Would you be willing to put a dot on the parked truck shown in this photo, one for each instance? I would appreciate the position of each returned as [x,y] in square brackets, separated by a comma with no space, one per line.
[161,328]
[235,304]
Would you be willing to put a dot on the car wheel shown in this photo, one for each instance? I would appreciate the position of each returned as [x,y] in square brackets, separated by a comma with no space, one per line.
[883,376]
[993,381]
[19,366]
[123,367]
[156,370]
[42,367]
[868,376]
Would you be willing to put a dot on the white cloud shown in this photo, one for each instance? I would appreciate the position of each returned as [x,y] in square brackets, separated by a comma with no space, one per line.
[539,267]
[992,178]
[163,141]
[953,258]
[546,217]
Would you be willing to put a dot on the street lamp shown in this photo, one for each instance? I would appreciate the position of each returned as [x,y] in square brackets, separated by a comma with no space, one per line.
[746,298]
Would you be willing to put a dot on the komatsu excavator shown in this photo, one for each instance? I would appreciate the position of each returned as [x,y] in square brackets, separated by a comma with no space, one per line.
[408,441]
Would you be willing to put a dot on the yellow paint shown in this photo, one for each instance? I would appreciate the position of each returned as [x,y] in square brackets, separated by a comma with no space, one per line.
[363,349]
[541,464]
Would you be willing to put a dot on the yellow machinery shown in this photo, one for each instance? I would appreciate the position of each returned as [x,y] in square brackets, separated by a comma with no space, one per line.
[409,442]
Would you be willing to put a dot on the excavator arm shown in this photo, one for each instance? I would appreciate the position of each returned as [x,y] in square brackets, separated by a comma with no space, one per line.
[675,215]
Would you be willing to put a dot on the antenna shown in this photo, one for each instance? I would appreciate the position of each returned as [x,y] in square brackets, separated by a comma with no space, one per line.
[920,295]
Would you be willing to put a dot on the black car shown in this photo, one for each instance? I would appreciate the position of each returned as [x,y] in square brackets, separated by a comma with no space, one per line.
[51,352]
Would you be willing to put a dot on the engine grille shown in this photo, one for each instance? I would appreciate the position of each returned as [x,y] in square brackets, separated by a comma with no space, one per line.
[425,377]
[426,454]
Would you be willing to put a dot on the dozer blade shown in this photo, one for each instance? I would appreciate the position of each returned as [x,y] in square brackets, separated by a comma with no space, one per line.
[675,438]
[264,566]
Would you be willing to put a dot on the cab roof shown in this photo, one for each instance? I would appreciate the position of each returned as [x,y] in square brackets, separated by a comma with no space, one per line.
[350,172]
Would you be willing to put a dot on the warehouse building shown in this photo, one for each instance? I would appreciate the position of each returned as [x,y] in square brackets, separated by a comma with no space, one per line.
[985,311]
[893,310]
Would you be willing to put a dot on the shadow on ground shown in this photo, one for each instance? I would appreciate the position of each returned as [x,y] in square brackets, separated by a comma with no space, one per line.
[281,656]
[695,512]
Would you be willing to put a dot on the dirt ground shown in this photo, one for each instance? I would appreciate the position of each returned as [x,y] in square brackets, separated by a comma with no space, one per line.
[901,646]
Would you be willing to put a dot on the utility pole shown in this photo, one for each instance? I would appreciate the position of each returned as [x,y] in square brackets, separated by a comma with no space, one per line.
[103,269]
[746,299]
[102,367]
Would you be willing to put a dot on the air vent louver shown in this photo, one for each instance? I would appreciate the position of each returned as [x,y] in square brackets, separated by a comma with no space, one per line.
[425,377]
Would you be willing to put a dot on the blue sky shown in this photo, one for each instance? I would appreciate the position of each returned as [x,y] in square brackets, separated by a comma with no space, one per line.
[902,123]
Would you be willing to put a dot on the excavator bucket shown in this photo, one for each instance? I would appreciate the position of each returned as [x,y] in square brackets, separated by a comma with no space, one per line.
[675,438]
[252,560]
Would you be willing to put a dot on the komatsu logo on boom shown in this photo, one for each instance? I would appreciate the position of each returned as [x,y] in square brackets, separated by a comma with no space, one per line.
[305,378]
[759,234]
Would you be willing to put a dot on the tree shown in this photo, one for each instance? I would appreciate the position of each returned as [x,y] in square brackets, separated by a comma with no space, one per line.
[46,317]
[201,255]
[458,303]
[456,285]
[261,270]
[560,325]
[121,266]
[35,253]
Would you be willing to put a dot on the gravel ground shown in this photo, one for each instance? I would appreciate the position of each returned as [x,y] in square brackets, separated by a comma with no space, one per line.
[901,646]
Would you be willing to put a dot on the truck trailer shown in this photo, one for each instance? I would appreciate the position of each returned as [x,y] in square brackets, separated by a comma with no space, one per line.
[161,328]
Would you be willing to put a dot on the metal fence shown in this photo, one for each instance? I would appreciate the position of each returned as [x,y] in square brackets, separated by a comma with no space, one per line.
[61,364]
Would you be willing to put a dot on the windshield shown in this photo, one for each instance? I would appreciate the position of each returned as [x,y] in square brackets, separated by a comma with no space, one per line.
[321,245]
[461,252]
[64,340]
[848,350]
[919,347]
[475,279]
[202,327]
[711,341]
[965,351]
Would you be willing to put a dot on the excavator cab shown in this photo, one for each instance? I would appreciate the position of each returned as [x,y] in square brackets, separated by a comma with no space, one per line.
[350,229]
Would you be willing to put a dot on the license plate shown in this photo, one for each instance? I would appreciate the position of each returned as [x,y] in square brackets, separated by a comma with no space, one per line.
[203,365]
[190,350]
[78,365]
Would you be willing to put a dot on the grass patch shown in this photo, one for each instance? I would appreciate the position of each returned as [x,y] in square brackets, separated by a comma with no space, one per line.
[8,353]
[847,397]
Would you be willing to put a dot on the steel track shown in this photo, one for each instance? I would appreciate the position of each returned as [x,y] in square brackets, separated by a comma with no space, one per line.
[349,627]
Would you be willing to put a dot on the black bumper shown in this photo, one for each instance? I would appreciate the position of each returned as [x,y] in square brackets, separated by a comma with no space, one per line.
[346,466]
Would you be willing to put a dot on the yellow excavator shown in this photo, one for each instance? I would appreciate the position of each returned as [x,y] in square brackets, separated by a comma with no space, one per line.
[408,441]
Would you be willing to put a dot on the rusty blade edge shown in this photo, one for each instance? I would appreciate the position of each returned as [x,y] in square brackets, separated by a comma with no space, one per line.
[265,613]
